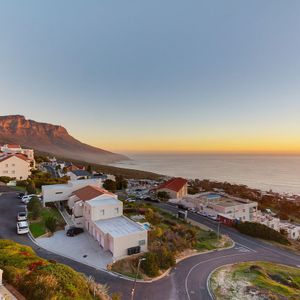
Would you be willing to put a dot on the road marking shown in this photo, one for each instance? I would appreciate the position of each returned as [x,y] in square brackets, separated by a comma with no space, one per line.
[243,246]
[202,262]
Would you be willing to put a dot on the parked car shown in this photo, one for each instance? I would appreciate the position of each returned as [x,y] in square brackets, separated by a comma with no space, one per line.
[25,199]
[130,200]
[22,216]
[74,231]
[21,195]
[22,227]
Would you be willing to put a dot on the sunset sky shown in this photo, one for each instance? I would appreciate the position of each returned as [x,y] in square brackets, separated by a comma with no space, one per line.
[182,76]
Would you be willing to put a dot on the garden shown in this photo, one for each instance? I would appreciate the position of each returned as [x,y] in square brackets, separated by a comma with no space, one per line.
[169,239]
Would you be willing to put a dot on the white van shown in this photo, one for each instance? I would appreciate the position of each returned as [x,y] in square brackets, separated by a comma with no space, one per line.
[22,227]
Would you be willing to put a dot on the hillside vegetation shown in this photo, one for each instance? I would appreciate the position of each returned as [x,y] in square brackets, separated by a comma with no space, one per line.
[256,280]
[36,278]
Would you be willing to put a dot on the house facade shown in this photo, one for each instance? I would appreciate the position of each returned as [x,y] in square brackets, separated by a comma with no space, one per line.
[62,192]
[175,187]
[100,213]
[17,149]
[15,166]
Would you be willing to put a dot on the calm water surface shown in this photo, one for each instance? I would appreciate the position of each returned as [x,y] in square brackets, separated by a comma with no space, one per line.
[279,173]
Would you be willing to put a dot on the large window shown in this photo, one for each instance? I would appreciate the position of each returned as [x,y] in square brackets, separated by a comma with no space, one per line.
[142,242]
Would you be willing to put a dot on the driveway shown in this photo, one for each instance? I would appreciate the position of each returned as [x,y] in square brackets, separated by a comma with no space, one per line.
[82,248]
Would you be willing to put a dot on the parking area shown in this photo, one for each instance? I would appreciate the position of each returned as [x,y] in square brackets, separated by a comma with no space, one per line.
[82,248]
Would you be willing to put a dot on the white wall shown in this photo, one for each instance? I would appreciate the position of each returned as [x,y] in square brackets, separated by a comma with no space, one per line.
[93,212]
[121,244]
[61,192]
[15,167]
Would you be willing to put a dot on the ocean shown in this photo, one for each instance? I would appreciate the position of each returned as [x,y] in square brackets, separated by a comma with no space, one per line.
[278,173]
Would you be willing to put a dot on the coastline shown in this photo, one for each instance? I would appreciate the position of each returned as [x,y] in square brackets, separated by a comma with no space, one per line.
[277,173]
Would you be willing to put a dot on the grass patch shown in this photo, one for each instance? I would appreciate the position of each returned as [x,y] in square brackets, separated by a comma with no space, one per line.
[37,227]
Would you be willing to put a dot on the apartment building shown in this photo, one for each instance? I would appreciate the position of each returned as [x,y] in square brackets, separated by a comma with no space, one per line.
[17,149]
[101,214]
[16,166]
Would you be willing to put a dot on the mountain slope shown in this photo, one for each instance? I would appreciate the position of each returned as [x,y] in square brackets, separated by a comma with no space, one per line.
[52,139]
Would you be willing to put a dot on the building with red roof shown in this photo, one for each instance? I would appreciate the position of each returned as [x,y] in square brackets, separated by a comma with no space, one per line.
[176,187]
[16,166]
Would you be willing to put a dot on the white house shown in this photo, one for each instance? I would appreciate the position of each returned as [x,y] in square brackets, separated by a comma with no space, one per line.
[101,214]
[62,192]
[17,149]
[15,166]
[292,231]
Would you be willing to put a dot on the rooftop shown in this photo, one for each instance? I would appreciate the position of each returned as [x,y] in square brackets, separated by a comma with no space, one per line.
[90,192]
[174,184]
[104,199]
[81,172]
[119,226]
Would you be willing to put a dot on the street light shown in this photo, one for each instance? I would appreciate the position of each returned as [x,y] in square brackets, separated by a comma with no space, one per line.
[136,275]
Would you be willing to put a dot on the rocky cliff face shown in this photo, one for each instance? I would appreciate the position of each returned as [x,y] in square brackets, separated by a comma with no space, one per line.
[52,139]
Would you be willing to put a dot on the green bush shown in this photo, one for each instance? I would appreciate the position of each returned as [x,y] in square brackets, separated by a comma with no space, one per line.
[35,207]
[261,231]
[30,188]
[5,179]
[150,265]
[110,185]
[51,223]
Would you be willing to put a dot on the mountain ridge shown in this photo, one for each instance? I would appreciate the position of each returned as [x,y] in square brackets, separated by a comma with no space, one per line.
[50,138]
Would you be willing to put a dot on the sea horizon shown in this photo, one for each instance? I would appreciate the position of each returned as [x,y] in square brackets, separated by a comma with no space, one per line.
[276,172]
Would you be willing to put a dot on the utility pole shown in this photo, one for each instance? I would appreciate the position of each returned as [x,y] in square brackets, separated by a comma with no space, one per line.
[136,275]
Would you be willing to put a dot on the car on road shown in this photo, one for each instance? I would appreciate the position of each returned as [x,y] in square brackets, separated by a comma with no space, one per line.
[22,227]
[74,231]
[22,216]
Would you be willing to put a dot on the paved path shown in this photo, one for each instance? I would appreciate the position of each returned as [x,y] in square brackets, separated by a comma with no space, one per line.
[186,281]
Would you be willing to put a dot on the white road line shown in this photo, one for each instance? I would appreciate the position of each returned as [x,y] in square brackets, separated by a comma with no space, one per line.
[202,262]
[245,247]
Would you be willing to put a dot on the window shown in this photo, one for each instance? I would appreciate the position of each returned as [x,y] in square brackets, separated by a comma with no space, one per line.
[5,172]
[13,172]
[57,193]
[142,242]
[102,212]
[13,165]
[117,210]
[6,165]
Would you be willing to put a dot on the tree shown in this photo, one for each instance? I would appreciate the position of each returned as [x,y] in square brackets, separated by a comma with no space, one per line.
[110,185]
[150,265]
[5,179]
[30,188]
[163,196]
[35,207]
[121,182]
[51,223]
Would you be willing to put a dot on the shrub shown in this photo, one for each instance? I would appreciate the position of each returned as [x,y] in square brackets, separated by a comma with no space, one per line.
[261,231]
[163,196]
[35,207]
[51,223]
[30,188]
[5,179]
[110,185]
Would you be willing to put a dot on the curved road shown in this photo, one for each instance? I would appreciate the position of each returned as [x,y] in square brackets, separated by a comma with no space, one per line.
[186,281]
